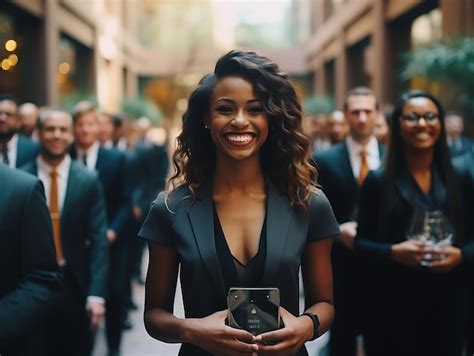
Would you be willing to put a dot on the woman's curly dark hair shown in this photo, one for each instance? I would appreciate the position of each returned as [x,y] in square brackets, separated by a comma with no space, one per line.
[285,155]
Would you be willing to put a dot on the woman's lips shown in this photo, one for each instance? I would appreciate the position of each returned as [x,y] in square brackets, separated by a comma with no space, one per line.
[239,139]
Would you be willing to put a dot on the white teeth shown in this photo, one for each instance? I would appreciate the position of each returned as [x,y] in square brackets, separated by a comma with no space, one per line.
[422,135]
[239,138]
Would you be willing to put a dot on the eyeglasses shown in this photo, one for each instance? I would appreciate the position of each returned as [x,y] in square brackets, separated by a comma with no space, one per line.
[413,118]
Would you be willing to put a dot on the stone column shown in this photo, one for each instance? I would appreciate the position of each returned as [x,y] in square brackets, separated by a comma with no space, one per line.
[51,53]
[341,76]
[379,46]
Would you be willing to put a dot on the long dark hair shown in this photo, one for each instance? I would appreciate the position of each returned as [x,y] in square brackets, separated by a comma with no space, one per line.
[396,163]
[286,152]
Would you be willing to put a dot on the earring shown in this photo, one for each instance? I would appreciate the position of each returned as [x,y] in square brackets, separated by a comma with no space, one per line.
[206,127]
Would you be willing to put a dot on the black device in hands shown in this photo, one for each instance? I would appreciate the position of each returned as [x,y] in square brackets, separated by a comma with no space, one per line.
[256,310]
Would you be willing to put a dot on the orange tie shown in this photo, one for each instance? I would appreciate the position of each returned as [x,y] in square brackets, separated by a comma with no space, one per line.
[54,212]
[364,167]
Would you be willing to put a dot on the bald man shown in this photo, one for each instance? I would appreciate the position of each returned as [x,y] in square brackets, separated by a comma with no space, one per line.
[28,113]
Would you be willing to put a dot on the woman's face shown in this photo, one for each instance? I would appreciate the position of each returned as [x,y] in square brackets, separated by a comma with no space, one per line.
[237,121]
[420,125]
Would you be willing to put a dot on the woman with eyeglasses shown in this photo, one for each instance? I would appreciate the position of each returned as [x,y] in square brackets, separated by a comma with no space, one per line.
[417,287]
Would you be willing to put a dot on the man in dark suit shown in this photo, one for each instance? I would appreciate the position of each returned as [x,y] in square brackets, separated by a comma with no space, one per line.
[458,143]
[15,149]
[77,208]
[29,274]
[342,170]
[111,167]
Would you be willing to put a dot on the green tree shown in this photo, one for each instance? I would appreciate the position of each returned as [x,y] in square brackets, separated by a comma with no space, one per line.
[448,66]
[139,107]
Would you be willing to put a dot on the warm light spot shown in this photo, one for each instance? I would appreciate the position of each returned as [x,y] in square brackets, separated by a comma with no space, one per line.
[64,68]
[13,59]
[6,64]
[10,45]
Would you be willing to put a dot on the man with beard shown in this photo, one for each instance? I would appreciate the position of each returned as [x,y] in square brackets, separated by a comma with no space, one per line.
[15,149]
[78,216]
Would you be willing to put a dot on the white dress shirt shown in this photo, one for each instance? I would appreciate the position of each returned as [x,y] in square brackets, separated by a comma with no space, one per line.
[373,154]
[12,150]
[44,174]
[92,152]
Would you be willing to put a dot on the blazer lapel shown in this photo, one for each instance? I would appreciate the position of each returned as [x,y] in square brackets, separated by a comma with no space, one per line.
[347,167]
[202,222]
[278,221]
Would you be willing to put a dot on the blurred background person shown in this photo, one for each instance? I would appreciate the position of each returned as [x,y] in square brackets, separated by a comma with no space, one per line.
[77,209]
[15,149]
[342,170]
[422,291]
[458,143]
[318,130]
[106,130]
[29,273]
[337,127]
[382,128]
[28,113]
[111,166]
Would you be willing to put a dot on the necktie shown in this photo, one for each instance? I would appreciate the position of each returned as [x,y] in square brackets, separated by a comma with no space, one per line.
[54,212]
[84,160]
[364,167]
[5,154]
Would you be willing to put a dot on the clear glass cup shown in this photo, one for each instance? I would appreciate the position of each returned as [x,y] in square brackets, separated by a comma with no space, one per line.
[433,230]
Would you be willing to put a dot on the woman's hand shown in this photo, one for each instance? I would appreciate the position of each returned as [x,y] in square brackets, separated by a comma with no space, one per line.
[290,339]
[409,253]
[450,258]
[211,334]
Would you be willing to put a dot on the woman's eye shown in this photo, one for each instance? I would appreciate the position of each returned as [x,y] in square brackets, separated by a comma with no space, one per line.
[224,109]
[256,110]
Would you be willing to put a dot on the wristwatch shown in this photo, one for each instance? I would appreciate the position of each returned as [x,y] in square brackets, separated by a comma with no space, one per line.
[315,320]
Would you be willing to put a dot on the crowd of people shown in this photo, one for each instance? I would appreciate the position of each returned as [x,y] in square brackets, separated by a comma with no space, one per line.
[375,209]
[99,178]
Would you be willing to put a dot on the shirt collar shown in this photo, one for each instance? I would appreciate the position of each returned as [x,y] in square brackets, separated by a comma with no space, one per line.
[92,148]
[12,143]
[372,147]
[62,169]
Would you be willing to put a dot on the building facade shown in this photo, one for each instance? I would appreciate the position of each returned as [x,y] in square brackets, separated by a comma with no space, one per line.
[361,42]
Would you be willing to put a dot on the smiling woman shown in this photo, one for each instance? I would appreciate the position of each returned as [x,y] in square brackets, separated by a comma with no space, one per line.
[416,269]
[243,211]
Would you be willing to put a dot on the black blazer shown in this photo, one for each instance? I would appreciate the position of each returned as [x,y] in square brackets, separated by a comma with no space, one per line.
[28,271]
[337,180]
[83,226]
[27,150]
[151,166]
[188,227]
[467,145]
[111,167]
[401,297]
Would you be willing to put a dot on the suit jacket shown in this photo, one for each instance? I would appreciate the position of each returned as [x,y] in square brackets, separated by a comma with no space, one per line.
[28,271]
[338,182]
[341,187]
[467,145]
[111,167]
[83,226]
[152,167]
[187,226]
[27,150]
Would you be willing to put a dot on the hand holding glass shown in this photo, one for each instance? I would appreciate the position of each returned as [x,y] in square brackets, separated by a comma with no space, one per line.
[432,229]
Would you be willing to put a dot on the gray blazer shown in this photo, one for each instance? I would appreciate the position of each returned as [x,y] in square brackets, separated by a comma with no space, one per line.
[178,222]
